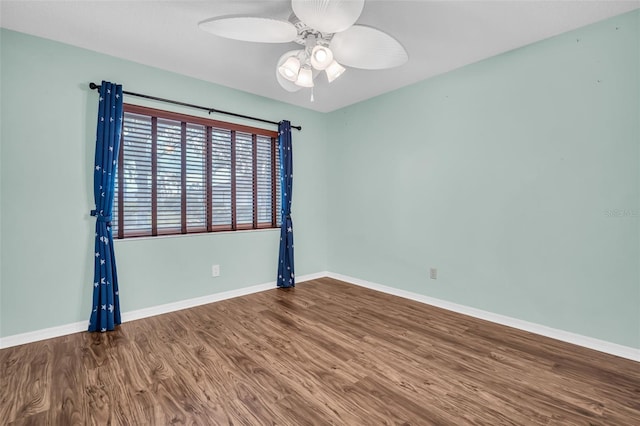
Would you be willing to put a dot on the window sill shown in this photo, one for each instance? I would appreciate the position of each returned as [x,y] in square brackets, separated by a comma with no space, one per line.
[198,234]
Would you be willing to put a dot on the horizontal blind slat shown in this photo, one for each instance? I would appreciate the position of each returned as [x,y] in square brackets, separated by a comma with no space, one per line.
[137,176]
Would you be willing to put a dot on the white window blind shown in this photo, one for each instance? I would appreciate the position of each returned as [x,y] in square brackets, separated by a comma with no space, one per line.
[196,177]
[244,178]
[181,174]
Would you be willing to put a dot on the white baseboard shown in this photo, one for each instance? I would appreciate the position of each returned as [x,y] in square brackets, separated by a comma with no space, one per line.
[211,298]
[76,327]
[44,334]
[310,277]
[565,336]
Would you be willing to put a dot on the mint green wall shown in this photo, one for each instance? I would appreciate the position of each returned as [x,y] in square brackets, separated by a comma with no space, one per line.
[502,175]
[505,175]
[48,137]
[1,137]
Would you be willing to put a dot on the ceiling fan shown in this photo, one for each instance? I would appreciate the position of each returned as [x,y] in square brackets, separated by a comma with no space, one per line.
[326,29]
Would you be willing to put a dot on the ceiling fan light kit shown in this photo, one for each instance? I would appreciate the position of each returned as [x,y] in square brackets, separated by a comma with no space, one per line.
[321,57]
[315,56]
[326,29]
[334,70]
[288,85]
[290,68]
[305,77]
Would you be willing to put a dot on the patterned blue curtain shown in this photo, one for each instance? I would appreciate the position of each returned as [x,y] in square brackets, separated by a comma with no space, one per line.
[286,275]
[106,303]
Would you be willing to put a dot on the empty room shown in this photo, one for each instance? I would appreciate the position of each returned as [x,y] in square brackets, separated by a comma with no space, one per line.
[309,212]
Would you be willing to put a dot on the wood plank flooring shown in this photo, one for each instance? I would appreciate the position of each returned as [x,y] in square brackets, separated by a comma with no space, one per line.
[325,352]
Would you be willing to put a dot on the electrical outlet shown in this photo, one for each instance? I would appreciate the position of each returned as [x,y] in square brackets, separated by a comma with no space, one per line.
[215,270]
[433,273]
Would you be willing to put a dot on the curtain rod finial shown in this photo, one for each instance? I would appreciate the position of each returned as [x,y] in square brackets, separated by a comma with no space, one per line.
[93,86]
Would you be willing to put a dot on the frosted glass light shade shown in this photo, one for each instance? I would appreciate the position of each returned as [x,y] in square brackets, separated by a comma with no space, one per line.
[305,78]
[328,16]
[290,68]
[321,57]
[287,85]
[334,70]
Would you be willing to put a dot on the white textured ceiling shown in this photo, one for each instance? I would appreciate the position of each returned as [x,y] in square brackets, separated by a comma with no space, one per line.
[438,35]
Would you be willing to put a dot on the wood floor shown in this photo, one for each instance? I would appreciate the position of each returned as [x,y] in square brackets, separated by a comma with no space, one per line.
[325,352]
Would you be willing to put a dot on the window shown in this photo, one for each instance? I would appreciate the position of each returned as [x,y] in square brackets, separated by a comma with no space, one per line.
[179,174]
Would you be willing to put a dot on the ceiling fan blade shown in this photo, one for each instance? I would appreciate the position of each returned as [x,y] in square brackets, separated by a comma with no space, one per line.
[367,48]
[328,16]
[251,28]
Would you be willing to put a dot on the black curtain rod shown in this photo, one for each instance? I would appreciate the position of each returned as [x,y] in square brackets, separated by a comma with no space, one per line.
[94,86]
